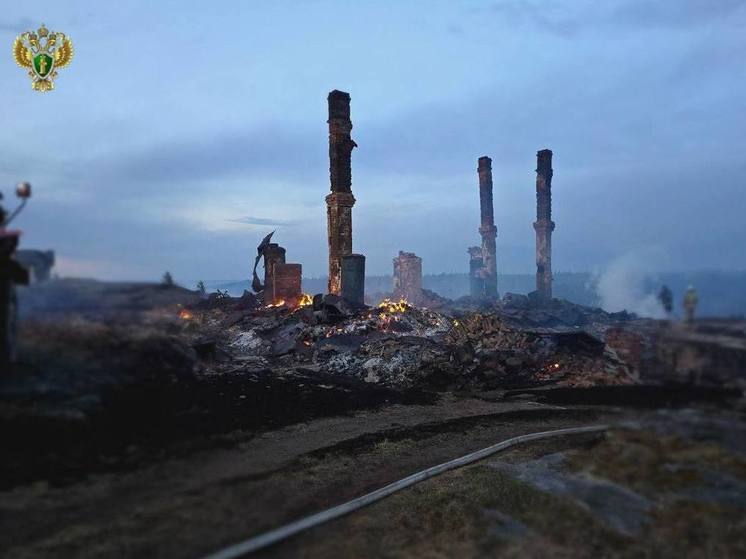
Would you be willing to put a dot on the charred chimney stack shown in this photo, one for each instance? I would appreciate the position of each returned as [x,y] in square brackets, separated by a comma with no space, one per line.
[340,201]
[487,228]
[544,224]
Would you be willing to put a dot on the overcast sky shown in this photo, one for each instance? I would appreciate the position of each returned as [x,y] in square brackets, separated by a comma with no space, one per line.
[183,132]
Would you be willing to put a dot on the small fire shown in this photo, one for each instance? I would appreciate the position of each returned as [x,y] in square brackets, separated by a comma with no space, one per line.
[393,307]
[278,303]
[305,300]
[186,314]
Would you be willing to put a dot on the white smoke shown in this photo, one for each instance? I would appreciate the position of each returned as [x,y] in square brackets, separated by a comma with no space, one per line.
[621,285]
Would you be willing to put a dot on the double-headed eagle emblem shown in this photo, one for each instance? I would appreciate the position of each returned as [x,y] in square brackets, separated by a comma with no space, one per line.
[43,52]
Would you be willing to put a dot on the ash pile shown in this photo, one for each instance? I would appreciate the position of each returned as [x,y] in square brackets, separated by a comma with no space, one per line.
[400,346]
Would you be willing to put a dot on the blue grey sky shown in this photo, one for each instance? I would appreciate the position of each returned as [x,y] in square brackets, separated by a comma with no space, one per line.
[184,131]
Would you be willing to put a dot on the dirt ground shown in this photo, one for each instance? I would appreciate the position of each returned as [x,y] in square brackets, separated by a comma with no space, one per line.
[190,506]
[668,483]
[186,507]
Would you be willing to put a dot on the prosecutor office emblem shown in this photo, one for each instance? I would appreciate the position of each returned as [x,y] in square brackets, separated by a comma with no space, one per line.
[42,52]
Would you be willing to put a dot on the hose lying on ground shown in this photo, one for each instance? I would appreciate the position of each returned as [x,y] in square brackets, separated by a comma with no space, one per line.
[284,532]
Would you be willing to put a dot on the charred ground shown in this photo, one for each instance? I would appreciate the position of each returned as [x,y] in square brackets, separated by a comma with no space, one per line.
[121,381]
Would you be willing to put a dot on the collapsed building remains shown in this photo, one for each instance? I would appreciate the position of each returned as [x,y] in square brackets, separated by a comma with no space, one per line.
[282,280]
[408,277]
[287,282]
[544,224]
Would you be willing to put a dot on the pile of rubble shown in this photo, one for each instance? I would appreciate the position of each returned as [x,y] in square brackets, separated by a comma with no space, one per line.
[397,345]
[529,311]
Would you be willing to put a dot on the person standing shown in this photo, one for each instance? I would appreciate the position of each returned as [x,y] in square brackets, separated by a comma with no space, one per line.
[690,303]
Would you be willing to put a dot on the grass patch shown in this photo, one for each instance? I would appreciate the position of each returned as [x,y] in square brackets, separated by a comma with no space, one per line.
[449,516]
[392,448]
[462,513]
[652,464]
[693,529]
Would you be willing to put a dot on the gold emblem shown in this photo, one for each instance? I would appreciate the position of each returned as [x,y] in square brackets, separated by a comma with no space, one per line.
[42,52]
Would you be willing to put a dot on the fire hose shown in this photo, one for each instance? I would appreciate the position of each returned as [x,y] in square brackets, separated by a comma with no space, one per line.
[278,534]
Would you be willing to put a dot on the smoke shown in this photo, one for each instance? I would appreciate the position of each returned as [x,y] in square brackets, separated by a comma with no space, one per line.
[625,284]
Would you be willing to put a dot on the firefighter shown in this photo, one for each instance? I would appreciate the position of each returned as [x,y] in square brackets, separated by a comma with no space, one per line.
[690,303]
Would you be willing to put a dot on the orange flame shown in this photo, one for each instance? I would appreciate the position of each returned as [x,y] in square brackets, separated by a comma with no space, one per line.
[393,307]
[303,301]
[186,314]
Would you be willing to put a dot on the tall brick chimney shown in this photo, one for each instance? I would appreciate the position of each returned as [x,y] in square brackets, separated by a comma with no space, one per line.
[487,228]
[340,202]
[544,224]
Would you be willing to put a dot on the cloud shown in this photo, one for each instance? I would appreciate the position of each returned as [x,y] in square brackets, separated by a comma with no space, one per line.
[15,27]
[277,150]
[249,220]
[567,19]
[678,14]
[548,16]
[646,127]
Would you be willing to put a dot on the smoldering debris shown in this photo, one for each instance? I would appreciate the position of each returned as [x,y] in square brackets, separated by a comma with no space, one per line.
[401,346]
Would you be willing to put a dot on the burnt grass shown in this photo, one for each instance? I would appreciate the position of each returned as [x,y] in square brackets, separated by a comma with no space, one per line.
[138,422]
[458,425]
[633,396]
